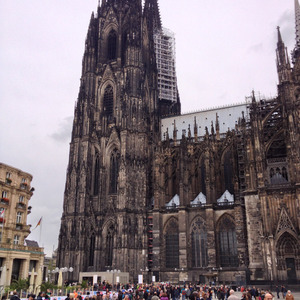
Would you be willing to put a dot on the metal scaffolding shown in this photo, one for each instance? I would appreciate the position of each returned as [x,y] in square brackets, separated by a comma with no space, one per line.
[164,43]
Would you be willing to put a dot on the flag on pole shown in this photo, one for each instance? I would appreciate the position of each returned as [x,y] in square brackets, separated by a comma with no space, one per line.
[38,224]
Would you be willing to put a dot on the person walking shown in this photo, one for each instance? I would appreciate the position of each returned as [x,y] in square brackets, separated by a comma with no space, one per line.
[232,296]
[289,296]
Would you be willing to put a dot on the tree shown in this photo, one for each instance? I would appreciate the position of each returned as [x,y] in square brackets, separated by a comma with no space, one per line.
[20,284]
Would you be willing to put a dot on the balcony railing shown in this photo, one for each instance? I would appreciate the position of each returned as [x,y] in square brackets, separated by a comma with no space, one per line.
[21,205]
[24,185]
[10,246]
[19,226]
[4,200]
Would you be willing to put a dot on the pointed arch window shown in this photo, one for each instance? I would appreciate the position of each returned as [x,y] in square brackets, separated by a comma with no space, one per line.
[108,102]
[114,172]
[227,243]
[92,250]
[112,45]
[109,246]
[228,172]
[175,181]
[172,244]
[124,45]
[277,161]
[199,244]
[203,176]
[96,176]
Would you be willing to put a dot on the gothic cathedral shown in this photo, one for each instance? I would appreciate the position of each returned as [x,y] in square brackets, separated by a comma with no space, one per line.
[209,196]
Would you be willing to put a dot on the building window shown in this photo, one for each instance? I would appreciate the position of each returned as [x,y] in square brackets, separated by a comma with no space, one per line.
[32,265]
[21,199]
[112,45]
[124,45]
[114,171]
[199,244]
[19,218]
[16,240]
[227,243]
[8,179]
[203,176]
[228,172]
[109,246]
[4,194]
[108,102]
[172,244]
[96,176]
[92,250]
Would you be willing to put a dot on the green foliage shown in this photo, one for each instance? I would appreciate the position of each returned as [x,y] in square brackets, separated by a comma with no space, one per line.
[47,285]
[84,284]
[20,284]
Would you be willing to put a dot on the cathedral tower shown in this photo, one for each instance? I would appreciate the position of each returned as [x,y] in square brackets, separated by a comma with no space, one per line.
[109,178]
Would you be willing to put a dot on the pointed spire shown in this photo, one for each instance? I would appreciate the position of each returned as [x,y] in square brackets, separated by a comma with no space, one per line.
[279,35]
[283,62]
[151,12]
[195,130]
[297,20]
[217,127]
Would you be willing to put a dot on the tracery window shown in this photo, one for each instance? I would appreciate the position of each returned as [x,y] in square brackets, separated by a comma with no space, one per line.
[92,250]
[227,243]
[124,45]
[108,102]
[203,175]
[172,244]
[112,45]
[109,246]
[277,163]
[96,176]
[199,244]
[228,172]
[175,181]
[114,171]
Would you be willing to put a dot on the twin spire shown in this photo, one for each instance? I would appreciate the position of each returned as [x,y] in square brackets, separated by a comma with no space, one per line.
[283,62]
[297,18]
[151,12]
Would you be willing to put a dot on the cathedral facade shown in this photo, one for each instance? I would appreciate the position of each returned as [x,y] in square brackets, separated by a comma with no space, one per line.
[210,197]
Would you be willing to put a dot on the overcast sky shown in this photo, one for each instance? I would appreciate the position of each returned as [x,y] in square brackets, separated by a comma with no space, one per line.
[225,48]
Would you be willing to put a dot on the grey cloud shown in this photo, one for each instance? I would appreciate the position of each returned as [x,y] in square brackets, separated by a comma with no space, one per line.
[63,132]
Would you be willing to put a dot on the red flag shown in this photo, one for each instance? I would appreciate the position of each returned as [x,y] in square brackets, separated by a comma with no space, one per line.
[38,224]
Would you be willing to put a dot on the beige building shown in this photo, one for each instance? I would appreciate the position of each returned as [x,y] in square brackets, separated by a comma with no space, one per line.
[18,256]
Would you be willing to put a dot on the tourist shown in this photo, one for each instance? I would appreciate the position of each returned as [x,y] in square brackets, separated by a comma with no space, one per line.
[289,296]
[155,297]
[232,296]
[283,291]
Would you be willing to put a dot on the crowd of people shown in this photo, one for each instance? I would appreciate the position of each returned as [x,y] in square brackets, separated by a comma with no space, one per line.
[161,291]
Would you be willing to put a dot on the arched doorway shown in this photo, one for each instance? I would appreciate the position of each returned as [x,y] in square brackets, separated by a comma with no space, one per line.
[288,249]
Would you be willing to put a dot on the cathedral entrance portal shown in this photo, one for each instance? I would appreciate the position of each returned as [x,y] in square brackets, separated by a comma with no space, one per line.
[291,270]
